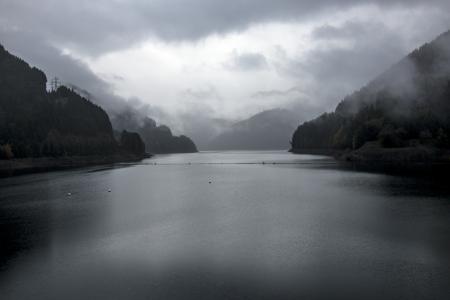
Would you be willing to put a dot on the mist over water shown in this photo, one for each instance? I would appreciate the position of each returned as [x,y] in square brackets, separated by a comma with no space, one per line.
[224,225]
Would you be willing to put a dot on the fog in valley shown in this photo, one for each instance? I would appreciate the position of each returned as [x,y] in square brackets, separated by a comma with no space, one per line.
[202,66]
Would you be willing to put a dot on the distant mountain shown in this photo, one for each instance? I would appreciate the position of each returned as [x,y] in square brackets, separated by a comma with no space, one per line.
[408,106]
[268,130]
[157,139]
[204,128]
[37,123]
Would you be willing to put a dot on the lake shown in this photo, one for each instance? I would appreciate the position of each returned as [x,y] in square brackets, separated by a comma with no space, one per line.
[224,225]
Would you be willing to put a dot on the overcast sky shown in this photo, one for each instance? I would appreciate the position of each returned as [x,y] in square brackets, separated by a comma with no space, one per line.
[182,61]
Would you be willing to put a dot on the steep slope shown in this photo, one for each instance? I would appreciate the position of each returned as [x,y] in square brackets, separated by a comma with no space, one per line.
[35,123]
[157,139]
[408,106]
[268,130]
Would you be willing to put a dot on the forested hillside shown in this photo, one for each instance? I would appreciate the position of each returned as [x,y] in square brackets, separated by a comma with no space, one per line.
[36,123]
[158,139]
[268,130]
[408,106]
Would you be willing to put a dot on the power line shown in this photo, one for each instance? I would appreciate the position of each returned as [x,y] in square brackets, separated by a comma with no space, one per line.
[55,83]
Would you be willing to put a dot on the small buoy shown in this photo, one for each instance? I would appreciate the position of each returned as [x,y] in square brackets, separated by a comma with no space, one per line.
[69,194]
[109,191]
[209,182]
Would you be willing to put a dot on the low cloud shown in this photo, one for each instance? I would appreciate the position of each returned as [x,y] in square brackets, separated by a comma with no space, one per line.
[206,93]
[347,56]
[291,92]
[248,61]
[77,75]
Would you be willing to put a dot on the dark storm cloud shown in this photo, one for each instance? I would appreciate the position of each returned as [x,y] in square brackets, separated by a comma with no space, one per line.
[100,26]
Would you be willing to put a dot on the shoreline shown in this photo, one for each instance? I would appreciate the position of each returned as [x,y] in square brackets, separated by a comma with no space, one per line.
[408,160]
[371,153]
[20,166]
[337,154]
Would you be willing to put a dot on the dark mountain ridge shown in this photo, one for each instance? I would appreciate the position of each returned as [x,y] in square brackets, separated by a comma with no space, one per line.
[37,123]
[268,130]
[408,106]
[158,139]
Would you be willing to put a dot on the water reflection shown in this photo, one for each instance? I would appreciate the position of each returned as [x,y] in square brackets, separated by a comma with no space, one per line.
[293,227]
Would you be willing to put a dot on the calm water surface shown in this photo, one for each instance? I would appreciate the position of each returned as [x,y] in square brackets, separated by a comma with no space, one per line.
[224,226]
